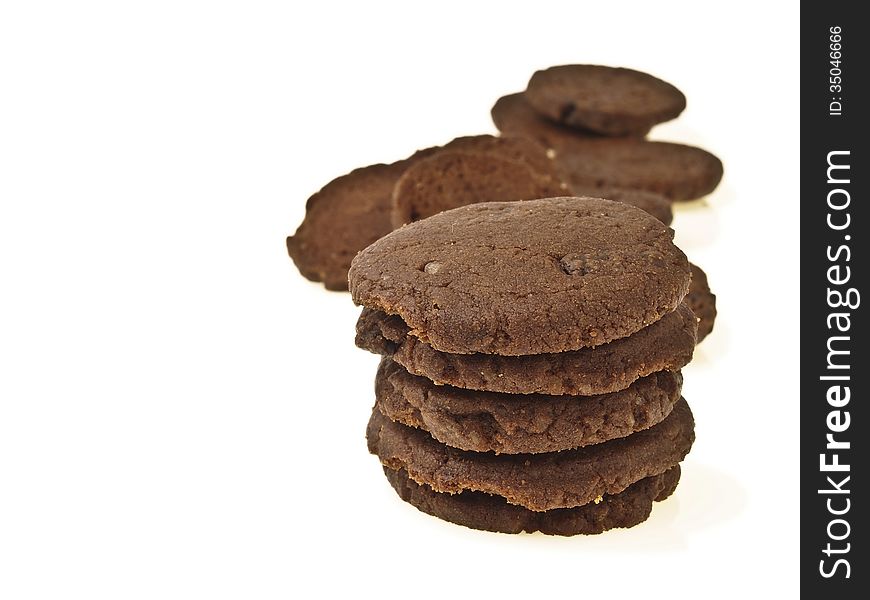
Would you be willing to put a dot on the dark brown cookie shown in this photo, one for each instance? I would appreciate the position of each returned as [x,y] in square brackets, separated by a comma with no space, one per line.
[516,148]
[675,171]
[347,215]
[667,344]
[702,302]
[516,278]
[354,210]
[522,423]
[655,204]
[538,482]
[493,513]
[451,179]
[607,100]
[514,116]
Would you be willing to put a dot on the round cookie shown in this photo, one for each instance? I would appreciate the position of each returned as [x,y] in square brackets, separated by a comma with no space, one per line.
[516,278]
[451,179]
[344,217]
[675,171]
[522,423]
[538,482]
[607,100]
[493,513]
[702,302]
[655,204]
[667,344]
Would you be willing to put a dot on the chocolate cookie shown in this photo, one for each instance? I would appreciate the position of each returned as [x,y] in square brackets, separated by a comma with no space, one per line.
[514,116]
[451,179]
[493,513]
[516,278]
[702,302]
[347,215]
[538,482]
[608,100]
[354,210]
[675,171]
[655,204]
[522,423]
[667,344]
[515,148]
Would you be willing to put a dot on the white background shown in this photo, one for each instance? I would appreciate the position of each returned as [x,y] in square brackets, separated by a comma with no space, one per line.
[182,415]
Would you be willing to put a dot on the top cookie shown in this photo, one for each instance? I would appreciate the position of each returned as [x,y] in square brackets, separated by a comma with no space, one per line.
[607,100]
[517,278]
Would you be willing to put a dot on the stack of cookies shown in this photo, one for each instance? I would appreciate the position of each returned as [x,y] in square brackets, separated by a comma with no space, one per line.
[576,130]
[530,378]
[595,119]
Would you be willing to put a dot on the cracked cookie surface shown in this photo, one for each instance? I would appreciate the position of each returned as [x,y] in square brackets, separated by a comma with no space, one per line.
[522,423]
[538,482]
[518,278]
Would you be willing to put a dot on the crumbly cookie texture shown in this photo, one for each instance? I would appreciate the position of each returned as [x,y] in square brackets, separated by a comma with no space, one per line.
[516,278]
[493,513]
[667,344]
[702,302]
[522,423]
[538,482]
